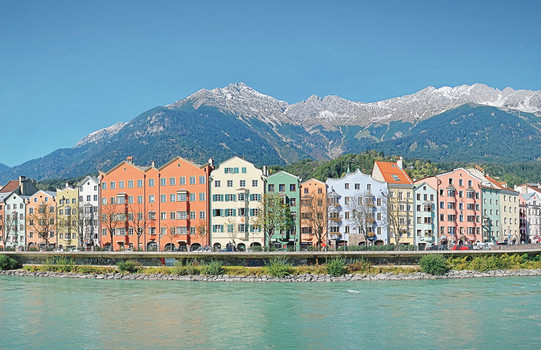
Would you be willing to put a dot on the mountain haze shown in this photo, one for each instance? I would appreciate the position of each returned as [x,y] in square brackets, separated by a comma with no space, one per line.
[464,123]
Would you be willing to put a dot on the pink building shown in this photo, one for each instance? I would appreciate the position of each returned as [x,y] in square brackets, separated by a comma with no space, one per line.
[459,206]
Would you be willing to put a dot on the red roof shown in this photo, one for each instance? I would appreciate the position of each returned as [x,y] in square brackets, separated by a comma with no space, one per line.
[10,186]
[393,174]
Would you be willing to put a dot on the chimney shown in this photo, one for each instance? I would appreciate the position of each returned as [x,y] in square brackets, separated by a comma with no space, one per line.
[153,164]
[399,162]
[211,162]
[265,171]
[129,159]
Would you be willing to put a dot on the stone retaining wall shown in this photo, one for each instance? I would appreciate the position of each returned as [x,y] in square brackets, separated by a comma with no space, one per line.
[251,259]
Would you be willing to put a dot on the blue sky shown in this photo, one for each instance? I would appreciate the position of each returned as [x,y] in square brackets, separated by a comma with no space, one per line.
[68,68]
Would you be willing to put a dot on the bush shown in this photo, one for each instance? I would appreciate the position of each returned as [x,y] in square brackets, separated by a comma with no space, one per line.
[213,268]
[184,270]
[434,264]
[360,265]
[336,267]
[7,263]
[129,266]
[488,263]
[278,266]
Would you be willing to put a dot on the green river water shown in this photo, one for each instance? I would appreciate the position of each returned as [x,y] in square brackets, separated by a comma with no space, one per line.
[55,313]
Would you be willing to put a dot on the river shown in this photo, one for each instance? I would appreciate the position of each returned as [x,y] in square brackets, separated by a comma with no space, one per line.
[55,313]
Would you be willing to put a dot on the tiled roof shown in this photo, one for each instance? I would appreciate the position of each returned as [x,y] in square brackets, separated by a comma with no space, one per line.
[393,174]
[10,186]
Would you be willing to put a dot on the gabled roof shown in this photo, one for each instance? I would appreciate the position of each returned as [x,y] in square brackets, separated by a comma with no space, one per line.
[10,186]
[285,173]
[314,180]
[184,161]
[87,178]
[392,173]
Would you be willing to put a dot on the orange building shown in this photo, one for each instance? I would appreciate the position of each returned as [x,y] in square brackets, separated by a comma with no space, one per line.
[148,208]
[313,213]
[41,220]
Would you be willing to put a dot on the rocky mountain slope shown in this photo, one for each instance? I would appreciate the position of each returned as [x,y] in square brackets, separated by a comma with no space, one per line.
[237,120]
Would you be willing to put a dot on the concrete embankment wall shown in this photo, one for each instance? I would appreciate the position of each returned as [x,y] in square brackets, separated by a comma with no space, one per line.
[245,259]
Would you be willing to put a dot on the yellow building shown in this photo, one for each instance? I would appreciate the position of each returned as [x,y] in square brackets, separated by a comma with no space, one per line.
[67,211]
[399,203]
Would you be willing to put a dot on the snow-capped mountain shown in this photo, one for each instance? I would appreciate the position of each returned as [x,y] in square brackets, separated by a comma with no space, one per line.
[105,133]
[333,111]
[469,123]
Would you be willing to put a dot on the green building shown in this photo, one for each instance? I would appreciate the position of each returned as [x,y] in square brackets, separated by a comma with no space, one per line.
[286,186]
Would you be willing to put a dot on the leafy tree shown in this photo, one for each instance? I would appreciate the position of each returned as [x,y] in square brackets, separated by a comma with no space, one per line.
[273,216]
[314,213]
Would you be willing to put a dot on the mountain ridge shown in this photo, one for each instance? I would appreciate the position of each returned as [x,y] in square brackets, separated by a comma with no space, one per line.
[238,120]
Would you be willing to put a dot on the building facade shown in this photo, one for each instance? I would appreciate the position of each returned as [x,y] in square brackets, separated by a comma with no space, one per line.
[459,197]
[68,218]
[313,214]
[356,210]
[89,211]
[287,187]
[236,191]
[425,223]
[399,202]
[41,220]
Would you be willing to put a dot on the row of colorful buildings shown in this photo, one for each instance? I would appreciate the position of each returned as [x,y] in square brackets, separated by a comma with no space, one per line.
[185,206]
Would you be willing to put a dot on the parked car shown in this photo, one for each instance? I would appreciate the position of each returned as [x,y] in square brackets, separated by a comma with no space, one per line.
[460,247]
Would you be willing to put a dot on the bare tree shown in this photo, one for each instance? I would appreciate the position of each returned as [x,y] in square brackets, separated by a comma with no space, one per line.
[314,213]
[201,230]
[138,221]
[362,209]
[396,220]
[110,219]
[232,230]
[42,221]
[11,222]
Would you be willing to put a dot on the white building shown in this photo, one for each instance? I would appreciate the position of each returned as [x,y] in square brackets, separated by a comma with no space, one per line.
[89,209]
[425,213]
[356,211]
[15,220]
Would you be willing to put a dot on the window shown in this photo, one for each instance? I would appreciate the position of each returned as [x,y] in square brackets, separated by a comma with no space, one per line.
[346,186]
[172,197]
[130,183]
[357,186]
[292,187]
[103,187]
[192,180]
[112,185]
[139,199]
[202,215]
[181,197]
[151,198]
[163,181]
[293,202]
[139,183]
[193,197]
[172,181]
[182,181]
[254,183]
[217,183]
[243,170]
[151,182]
[217,197]
[255,197]
[202,196]
[192,215]
[163,215]
[121,184]
[282,187]
[229,183]
[270,187]
[202,180]
[163,198]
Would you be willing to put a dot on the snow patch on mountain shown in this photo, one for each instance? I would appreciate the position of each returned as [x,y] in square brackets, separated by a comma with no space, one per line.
[99,135]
